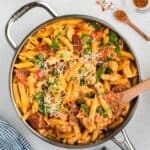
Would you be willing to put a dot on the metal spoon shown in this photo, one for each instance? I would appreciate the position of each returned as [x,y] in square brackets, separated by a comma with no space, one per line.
[122,17]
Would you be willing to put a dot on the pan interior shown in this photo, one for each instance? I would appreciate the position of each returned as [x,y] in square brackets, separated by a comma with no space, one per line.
[109,134]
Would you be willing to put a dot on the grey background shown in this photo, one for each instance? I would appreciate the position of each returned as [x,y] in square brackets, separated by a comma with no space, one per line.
[139,127]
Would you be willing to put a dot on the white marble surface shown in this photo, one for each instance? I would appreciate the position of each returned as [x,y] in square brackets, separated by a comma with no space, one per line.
[139,127]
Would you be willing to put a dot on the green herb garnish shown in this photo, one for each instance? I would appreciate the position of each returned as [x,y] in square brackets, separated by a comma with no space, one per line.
[55,43]
[96,26]
[103,112]
[80,101]
[72,78]
[87,51]
[85,108]
[99,73]
[118,51]
[86,39]
[40,61]
[106,112]
[55,73]
[90,95]
[82,81]
[114,39]
[108,70]
[53,85]
[40,99]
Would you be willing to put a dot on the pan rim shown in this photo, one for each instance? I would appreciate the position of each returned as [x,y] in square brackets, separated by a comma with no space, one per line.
[86,17]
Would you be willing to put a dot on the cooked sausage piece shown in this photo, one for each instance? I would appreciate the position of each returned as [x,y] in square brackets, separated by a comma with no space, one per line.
[22,76]
[37,122]
[77,43]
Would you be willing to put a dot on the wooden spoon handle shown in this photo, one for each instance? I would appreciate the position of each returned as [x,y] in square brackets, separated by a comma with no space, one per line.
[133,92]
[137,29]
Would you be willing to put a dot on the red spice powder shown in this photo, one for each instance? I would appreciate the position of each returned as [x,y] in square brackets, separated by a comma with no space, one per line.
[105,5]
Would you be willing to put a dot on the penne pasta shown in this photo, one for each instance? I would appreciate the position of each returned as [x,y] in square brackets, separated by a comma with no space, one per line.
[63,77]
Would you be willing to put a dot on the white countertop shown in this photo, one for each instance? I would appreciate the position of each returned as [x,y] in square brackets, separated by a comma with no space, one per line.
[138,128]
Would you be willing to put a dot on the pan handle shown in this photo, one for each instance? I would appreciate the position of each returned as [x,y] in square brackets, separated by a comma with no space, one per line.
[126,143]
[20,12]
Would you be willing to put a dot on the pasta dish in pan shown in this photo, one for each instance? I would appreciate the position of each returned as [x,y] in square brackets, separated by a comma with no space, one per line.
[64,77]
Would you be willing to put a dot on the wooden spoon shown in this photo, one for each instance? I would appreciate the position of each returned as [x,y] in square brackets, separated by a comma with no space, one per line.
[122,16]
[128,95]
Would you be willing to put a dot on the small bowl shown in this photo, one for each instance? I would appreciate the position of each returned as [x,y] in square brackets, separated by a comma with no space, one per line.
[143,9]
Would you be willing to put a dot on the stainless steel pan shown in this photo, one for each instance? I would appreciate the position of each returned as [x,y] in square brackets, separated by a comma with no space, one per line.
[126,143]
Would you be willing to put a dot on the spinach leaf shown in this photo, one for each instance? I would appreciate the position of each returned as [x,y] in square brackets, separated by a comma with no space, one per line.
[82,81]
[40,99]
[96,26]
[55,73]
[53,85]
[106,112]
[108,70]
[87,51]
[85,108]
[80,101]
[99,73]
[100,110]
[90,95]
[86,39]
[103,112]
[114,39]
[72,78]
[55,43]
[40,61]
[118,51]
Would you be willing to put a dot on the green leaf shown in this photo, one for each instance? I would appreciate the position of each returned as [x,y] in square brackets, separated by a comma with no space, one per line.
[80,101]
[53,85]
[82,81]
[96,26]
[40,99]
[40,61]
[118,51]
[105,114]
[114,39]
[86,39]
[108,70]
[90,95]
[72,78]
[55,43]
[100,110]
[85,108]
[55,73]
[87,51]
[99,73]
